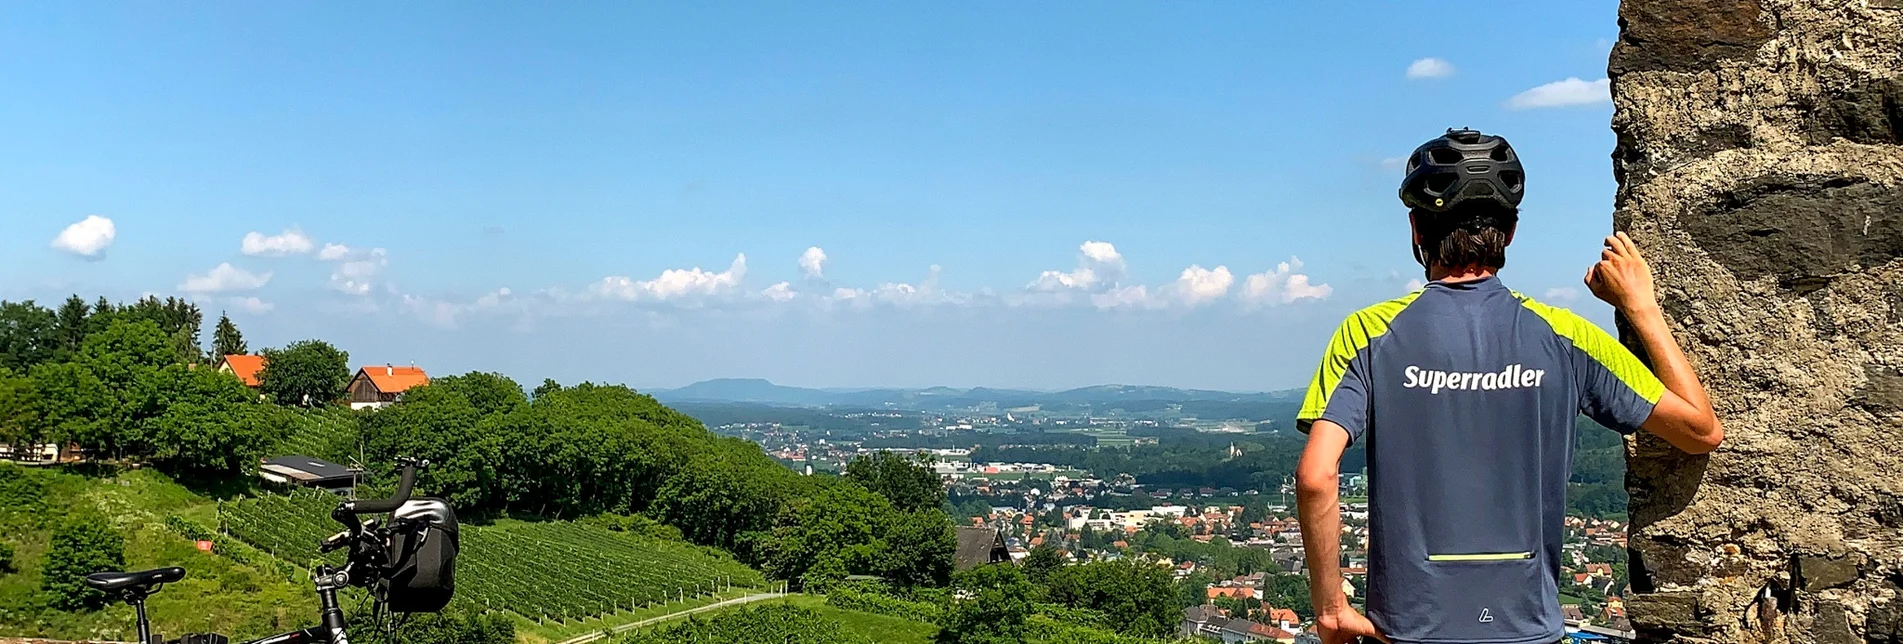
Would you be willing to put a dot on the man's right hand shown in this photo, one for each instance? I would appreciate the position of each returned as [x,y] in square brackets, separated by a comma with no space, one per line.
[1622,278]
[1343,625]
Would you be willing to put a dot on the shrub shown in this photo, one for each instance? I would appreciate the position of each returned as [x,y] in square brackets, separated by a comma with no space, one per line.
[878,604]
[6,558]
[81,546]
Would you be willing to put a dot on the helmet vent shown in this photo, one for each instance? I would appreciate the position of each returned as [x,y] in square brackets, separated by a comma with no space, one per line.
[1513,179]
[1439,183]
[1444,156]
[1501,153]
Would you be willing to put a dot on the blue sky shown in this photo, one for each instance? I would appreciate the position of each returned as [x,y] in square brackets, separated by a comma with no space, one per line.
[1005,194]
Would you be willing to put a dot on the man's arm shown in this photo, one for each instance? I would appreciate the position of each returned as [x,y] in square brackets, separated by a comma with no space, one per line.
[1683,415]
[1317,492]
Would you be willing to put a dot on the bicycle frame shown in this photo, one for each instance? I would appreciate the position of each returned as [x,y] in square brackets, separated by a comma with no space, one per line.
[331,631]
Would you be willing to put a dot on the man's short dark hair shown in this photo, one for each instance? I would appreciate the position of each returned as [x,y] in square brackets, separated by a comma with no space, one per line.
[1474,233]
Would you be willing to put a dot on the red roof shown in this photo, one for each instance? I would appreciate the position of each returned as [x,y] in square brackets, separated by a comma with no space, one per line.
[246,368]
[390,379]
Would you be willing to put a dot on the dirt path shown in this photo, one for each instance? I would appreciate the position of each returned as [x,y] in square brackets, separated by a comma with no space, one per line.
[582,639]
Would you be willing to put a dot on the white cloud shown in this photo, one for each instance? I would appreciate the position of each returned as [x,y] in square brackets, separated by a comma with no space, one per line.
[1393,163]
[674,283]
[355,268]
[88,237]
[1430,68]
[1571,91]
[1127,297]
[290,242]
[1284,285]
[251,304]
[223,278]
[1562,294]
[1194,287]
[780,292]
[813,262]
[493,299]
[333,252]
[900,294]
[1416,284]
[1198,285]
[1098,264]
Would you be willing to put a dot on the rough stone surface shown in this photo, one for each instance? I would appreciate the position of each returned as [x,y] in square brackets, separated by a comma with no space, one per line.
[1819,573]
[1760,164]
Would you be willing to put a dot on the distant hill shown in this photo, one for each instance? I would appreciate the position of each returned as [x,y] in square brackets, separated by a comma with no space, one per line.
[749,390]
[760,391]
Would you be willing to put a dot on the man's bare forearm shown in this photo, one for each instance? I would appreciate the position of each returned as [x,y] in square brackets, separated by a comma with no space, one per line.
[1319,508]
[1668,360]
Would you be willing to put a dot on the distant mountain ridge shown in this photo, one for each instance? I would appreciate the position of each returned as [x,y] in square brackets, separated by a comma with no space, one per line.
[762,391]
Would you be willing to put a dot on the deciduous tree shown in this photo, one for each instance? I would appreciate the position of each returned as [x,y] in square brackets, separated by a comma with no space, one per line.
[1136,594]
[990,606]
[909,484]
[28,335]
[308,372]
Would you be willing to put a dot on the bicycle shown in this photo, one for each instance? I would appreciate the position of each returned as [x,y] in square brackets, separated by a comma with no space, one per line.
[413,554]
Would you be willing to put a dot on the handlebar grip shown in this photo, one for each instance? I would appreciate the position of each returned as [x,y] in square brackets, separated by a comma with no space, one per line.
[378,506]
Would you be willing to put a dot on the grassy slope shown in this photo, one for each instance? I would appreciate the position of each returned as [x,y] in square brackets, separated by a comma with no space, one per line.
[217,595]
[528,631]
[881,628]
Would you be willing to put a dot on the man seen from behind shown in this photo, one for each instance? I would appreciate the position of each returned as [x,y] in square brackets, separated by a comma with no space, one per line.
[1464,395]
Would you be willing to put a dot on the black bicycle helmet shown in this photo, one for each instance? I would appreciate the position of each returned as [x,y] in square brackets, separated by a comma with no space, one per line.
[1463,165]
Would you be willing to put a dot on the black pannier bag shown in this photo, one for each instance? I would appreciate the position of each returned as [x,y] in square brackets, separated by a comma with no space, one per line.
[423,557]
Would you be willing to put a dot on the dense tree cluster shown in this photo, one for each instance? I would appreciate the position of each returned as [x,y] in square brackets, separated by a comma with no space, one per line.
[586,450]
[127,382]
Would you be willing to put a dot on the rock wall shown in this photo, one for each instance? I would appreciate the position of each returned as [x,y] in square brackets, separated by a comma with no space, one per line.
[1760,164]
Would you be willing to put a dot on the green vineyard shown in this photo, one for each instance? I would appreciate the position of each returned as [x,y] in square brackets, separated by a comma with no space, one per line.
[542,571]
[324,433]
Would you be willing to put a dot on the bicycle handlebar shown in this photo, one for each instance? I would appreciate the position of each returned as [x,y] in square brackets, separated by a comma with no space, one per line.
[377,506]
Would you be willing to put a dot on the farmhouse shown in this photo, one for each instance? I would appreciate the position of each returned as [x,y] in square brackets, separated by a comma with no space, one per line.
[979,546]
[374,387]
[246,368]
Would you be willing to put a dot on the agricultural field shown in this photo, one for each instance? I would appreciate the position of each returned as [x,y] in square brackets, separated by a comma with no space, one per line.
[325,433]
[544,572]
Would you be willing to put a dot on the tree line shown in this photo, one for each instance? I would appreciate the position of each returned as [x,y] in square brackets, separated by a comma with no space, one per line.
[131,382]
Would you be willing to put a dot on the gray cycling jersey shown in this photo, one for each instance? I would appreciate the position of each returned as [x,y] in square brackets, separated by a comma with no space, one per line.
[1465,395]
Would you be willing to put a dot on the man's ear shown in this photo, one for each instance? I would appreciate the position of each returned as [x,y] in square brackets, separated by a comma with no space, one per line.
[1414,228]
[1511,228]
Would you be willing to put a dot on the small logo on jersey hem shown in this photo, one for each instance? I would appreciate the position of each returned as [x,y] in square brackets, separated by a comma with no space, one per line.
[1513,377]
[1486,615]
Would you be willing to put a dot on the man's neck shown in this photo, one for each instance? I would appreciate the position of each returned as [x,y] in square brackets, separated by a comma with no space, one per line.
[1458,274]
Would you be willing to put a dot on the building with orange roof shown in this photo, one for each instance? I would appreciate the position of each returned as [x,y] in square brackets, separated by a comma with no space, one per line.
[374,386]
[1233,592]
[246,368]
